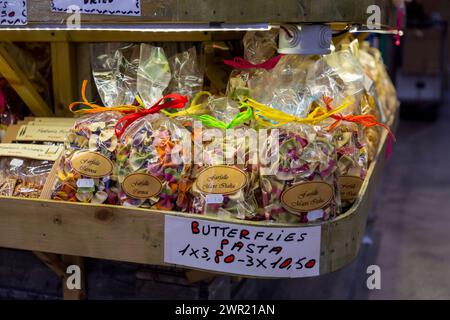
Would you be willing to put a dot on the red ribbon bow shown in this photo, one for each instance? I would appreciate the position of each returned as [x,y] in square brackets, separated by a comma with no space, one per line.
[240,63]
[173,100]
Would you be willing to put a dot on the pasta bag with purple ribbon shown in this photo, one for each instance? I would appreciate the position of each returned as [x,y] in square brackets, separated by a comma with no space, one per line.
[225,170]
[153,159]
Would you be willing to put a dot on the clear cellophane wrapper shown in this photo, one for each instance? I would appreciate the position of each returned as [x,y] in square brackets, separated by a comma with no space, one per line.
[114,68]
[286,87]
[187,75]
[157,146]
[306,154]
[372,135]
[25,178]
[90,133]
[259,46]
[231,148]
[352,157]
[385,89]
[340,76]
[153,75]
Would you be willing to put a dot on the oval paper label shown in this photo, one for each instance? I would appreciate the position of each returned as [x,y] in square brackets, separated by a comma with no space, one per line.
[92,164]
[349,187]
[141,185]
[221,180]
[307,196]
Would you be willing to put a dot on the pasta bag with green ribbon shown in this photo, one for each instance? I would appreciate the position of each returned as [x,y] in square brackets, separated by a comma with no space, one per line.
[153,158]
[298,174]
[225,169]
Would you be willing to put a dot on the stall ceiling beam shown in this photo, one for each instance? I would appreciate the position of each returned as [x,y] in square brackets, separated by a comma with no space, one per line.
[40,35]
[18,80]
[235,11]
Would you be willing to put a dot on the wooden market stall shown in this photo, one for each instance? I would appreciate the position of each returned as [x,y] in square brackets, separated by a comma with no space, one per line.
[62,233]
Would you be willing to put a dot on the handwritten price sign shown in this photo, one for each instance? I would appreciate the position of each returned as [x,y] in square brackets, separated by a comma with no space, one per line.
[243,250]
[110,7]
[13,12]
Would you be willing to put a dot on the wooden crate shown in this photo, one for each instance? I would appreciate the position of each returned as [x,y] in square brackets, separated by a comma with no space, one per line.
[137,235]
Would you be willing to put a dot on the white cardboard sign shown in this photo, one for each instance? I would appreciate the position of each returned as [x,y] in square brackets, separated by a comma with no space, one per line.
[243,250]
[13,12]
[109,7]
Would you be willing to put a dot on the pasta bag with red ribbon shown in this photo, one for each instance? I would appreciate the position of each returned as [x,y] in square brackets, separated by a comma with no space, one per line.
[260,49]
[225,169]
[153,158]
[298,176]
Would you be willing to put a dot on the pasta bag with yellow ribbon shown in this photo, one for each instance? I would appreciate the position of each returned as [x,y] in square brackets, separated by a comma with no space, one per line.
[225,169]
[153,158]
[298,176]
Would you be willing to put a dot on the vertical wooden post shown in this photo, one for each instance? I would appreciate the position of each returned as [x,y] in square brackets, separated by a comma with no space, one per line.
[64,74]
[73,294]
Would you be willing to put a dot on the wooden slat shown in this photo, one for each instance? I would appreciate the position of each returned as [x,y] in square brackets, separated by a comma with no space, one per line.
[12,72]
[235,11]
[53,261]
[100,36]
[64,76]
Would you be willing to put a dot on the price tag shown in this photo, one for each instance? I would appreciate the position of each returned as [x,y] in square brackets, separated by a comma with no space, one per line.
[13,12]
[242,250]
[16,162]
[110,7]
[85,183]
[214,198]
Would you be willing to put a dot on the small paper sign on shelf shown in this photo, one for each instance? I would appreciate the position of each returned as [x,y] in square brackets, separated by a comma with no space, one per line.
[242,250]
[110,7]
[13,12]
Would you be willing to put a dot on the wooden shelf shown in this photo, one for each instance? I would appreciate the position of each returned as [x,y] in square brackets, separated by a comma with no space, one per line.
[137,235]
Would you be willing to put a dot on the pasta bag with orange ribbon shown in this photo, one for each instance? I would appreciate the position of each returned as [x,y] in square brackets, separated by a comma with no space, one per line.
[341,77]
[154,164]
[225,169]
[87,170]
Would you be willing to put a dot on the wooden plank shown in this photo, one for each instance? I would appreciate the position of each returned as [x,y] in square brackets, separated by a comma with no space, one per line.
[12,72]
[64,76]
[229,11]
[20,35]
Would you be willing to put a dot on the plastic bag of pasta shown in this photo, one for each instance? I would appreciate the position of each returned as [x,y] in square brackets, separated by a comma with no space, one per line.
[154,158]
[300,184]
[260,48]
[87,169]
[115,68]
[225,170]
[24,168]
